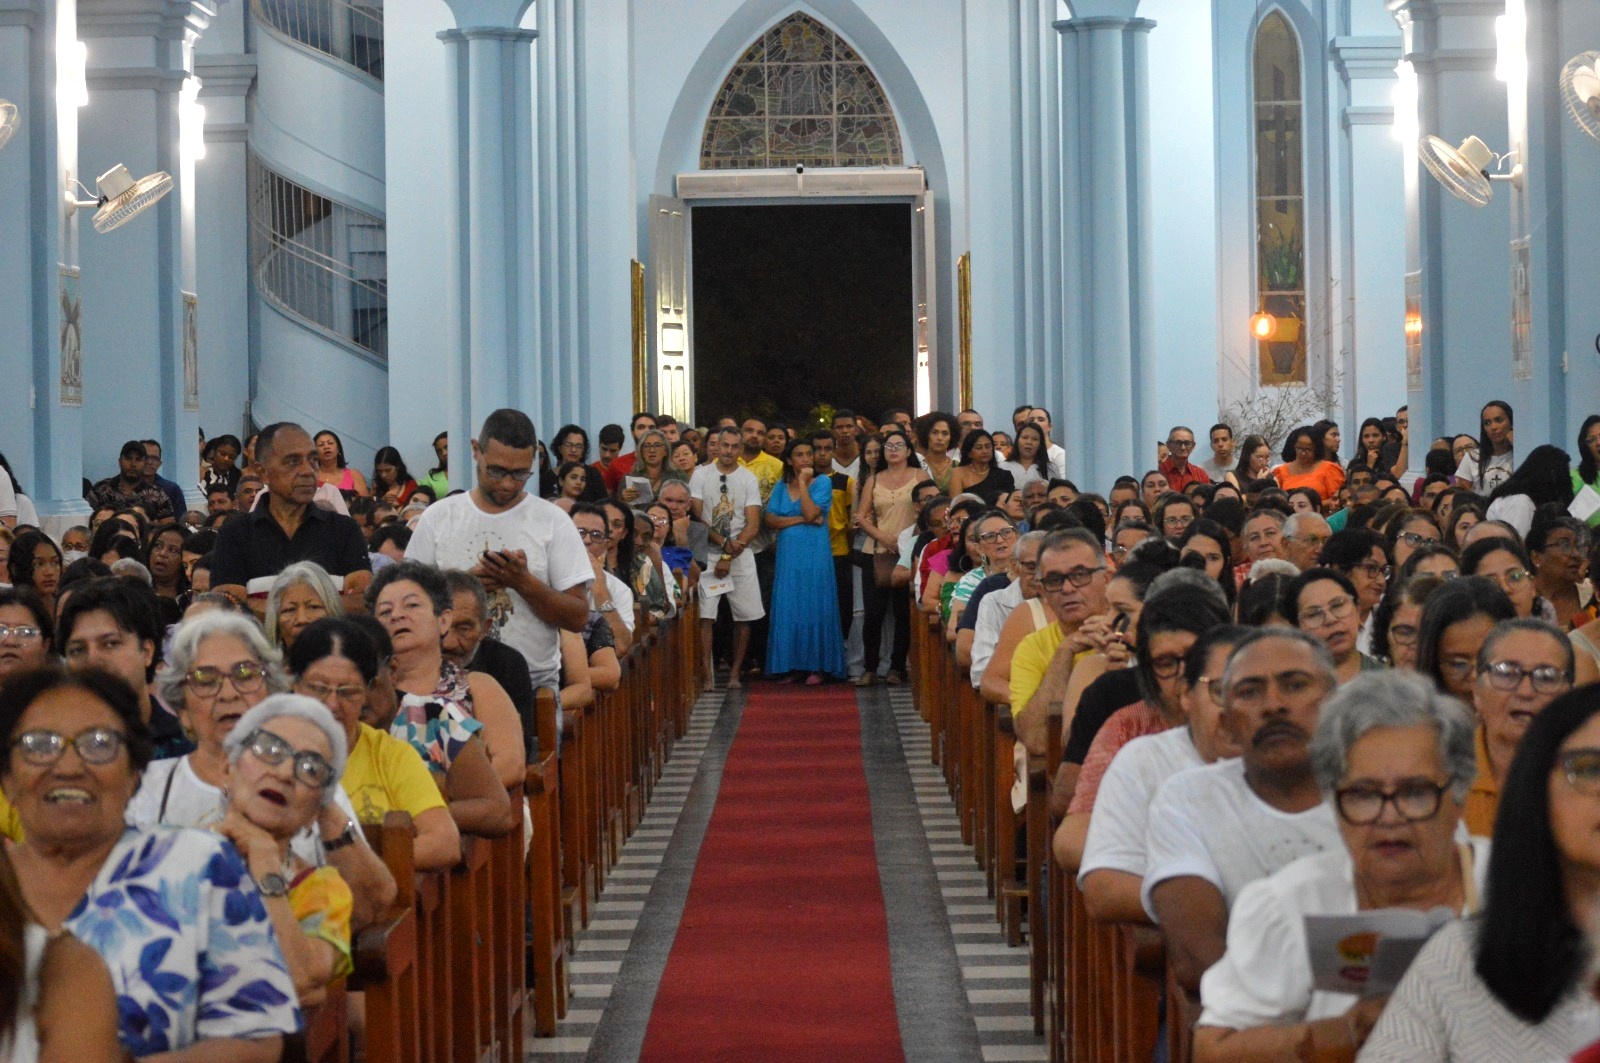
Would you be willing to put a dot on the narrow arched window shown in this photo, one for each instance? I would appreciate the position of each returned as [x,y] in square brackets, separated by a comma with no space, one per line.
[1280,202]
[800,95]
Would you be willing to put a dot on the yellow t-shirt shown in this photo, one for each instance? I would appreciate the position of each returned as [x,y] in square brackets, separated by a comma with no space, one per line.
[768,470]
[839,516]
[386,775]
[1029,662]
[10,822]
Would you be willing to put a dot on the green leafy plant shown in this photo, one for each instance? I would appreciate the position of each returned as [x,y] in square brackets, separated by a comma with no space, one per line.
[1281,262]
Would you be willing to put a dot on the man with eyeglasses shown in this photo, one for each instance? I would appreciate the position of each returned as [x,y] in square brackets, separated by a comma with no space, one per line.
[287,527]
[727,497]
[1304,535]
[1072,581]
[968,420]
[152,476]
[525,550]
[1214,829]
[1322,603]
[1177,468]
[1523,666]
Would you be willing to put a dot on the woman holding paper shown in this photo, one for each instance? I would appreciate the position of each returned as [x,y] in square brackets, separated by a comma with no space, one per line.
[1587,475]
[1395,757]
[642,484]
[1513,984]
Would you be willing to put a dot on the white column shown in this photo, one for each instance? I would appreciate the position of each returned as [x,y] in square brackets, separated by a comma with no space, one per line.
[1563,166]
[491,278]
[135,278]
[1108,240]
[1373,261]
[40,421]
[1459,252]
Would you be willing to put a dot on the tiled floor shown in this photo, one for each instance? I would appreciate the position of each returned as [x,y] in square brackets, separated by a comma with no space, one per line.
[962,992]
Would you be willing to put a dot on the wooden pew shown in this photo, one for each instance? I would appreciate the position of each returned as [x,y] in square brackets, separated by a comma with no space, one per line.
[548,942]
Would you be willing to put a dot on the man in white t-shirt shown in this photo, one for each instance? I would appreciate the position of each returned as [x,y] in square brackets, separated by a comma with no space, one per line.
[1214,829]
[1058,455]
[524,549]
[727,497]
[1222,459]
[1114,860]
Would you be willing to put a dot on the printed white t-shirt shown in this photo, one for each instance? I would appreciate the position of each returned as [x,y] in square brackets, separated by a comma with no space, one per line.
[724,513]
[454,533]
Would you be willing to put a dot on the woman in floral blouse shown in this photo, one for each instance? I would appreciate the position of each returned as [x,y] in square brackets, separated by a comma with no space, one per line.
[184,931]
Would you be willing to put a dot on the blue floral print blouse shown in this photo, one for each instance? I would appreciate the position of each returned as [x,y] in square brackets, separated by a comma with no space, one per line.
[176,917]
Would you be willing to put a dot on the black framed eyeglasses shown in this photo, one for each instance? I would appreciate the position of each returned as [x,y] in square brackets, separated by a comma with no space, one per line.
[1414,539]
[97,745]
[1078,577]
[1414,800]
[1167,666]
[496,472]
[1508,675]
[309,767]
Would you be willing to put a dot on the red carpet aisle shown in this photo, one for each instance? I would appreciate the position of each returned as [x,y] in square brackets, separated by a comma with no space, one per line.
[783,949]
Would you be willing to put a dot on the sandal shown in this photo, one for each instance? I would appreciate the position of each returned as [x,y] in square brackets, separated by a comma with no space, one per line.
[895,679]
[866,679]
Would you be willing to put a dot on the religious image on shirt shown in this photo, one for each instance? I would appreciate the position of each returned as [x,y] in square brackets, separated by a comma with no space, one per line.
[500,604]
[722,513]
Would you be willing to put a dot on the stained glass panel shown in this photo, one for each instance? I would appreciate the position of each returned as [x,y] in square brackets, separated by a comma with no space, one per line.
[800,95]
[1280,203]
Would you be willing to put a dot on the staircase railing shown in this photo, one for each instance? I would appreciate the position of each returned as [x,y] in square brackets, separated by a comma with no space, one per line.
[348,30]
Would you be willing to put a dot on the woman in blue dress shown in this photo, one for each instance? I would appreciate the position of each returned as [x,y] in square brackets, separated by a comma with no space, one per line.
[803,635]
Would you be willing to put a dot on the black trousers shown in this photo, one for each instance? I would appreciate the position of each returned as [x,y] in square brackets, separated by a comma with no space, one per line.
[879,601]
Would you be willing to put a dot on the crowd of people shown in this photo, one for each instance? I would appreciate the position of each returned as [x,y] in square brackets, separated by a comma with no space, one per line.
[1314,686]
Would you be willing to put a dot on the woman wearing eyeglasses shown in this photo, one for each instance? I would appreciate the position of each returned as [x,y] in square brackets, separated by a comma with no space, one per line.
[1394,758]
[182,927]
[1523,666]
[24,632]
[652,466]
[219,668]
[1455,620]
[284,762]
[1513,984]
[1558,546]
[883,511]
[1504,561]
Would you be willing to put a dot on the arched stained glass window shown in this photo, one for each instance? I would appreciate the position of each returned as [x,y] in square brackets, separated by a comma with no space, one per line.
[1280,202]
[800,95]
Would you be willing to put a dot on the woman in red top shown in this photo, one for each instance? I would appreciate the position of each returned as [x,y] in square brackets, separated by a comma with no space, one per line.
[1305,464]
[391,480]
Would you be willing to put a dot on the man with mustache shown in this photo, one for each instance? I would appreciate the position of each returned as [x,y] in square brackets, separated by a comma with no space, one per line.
[1214,829]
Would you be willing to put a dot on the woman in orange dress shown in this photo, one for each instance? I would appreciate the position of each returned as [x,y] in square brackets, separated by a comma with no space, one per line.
[1305,464]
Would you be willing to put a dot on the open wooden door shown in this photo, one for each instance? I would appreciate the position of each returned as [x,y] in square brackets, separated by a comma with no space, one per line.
[667,281]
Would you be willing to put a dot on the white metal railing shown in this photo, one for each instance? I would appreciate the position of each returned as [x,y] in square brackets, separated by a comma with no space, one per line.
[349,30]
[319,260]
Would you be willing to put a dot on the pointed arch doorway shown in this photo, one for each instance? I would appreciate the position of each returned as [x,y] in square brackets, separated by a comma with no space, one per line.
[795,269]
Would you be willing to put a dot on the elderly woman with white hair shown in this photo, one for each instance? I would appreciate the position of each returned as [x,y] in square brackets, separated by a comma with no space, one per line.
[1395,758]
[285,759]
[219,668]
[302,594]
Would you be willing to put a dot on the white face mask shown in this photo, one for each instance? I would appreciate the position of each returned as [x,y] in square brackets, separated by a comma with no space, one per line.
[69,556]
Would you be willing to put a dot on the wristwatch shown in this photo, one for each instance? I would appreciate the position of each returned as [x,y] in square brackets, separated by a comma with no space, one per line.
[272,885]
[340,840]
[608,607]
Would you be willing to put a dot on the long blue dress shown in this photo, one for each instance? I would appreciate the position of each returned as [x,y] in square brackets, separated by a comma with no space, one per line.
[803,635]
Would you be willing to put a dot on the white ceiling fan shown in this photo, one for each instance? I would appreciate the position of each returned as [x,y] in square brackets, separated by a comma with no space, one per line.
[1580,91]
[1464,170]
[122,198]
[9,120]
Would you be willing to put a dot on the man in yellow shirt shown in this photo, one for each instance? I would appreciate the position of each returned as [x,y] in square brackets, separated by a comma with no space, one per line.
[1072,579]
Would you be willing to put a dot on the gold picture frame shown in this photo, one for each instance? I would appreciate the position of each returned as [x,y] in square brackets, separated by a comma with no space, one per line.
[641,347]
[964,326]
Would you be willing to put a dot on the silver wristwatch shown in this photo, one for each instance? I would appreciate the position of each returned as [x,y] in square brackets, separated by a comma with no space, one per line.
[272,885]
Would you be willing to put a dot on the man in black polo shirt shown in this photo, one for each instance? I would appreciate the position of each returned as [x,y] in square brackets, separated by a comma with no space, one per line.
[285,527]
